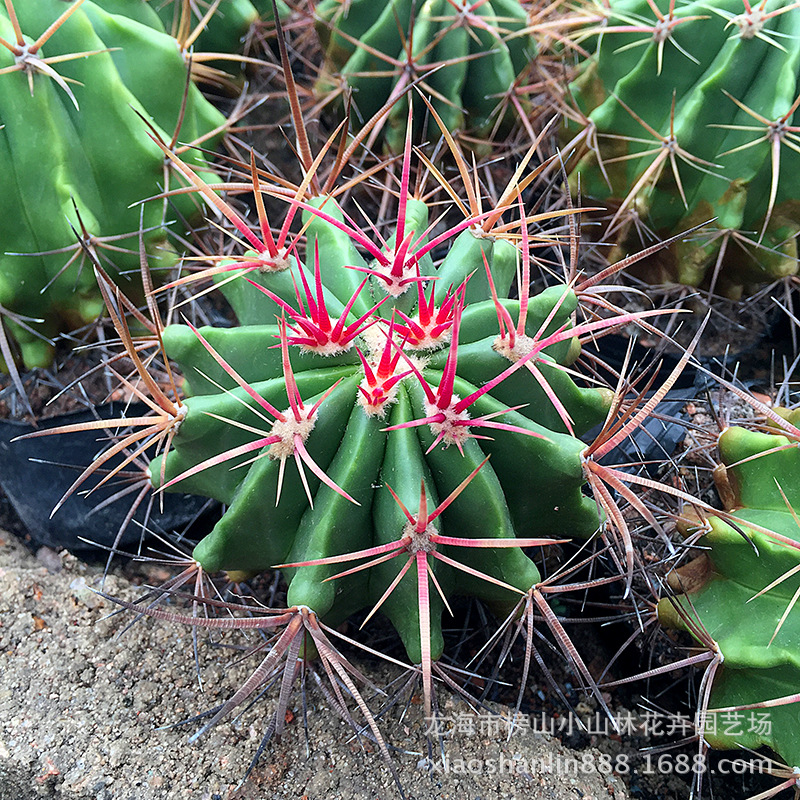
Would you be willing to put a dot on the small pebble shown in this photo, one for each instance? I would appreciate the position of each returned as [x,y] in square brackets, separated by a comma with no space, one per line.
[50,559]
[83,594]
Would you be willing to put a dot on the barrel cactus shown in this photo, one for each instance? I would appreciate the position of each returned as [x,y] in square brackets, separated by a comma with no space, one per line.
[466,56]
[739,598]
[429,409]
[375,375]
[78,159]
[690,114]
[430,416]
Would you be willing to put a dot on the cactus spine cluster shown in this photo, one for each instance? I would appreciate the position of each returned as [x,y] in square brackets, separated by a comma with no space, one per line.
[77,158]
[691,117]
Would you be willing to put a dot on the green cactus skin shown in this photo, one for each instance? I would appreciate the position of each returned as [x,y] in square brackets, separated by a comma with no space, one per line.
[530,487]
[756,666]
[227,27]
[487,54]
[98,155]
[754,71]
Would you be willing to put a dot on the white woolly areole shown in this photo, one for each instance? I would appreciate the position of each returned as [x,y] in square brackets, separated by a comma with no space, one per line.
[269,264]
[378,404]
[751,24]
[420,541]
[523,346]
[328,349]
[287,429]
[391,284]
[450,432]
[180,415]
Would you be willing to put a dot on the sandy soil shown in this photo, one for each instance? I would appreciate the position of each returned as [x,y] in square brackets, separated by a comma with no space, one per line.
[80,709]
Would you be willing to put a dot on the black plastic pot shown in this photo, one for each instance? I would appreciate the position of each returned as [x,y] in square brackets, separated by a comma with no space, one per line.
[655,439]
[35,474]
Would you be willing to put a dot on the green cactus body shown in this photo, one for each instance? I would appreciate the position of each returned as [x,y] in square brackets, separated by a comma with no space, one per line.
[227,27]
[98,156]
[722,155]
[529,488]
[745,598]
[468,58]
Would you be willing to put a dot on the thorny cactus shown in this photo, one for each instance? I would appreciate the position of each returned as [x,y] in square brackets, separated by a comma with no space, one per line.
[426,398]
[78,159]
[430,415]
[465,56]
[688,115]
[374,374]
[739,598]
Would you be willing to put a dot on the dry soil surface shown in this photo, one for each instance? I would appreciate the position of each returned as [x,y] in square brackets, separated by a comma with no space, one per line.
[80,711]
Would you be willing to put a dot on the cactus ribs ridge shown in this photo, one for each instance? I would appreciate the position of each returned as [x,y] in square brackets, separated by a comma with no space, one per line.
[702,132]
[740,596]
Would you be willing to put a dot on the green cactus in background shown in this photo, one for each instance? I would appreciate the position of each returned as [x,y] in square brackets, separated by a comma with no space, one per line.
[467,58]
[225,29]
[689,115]
[77,158]
[740,597]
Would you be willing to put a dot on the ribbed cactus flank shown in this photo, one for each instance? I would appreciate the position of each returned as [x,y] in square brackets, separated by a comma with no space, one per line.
[690,116]
[77,159]
[740,597]
[466,56]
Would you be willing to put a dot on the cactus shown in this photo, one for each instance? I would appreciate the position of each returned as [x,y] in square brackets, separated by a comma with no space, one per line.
[429,409]
[467,57]
[426,411]
[739,597]
[78,158]
[688,115]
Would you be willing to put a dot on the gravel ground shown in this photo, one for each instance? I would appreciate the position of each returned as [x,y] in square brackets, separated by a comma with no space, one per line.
[80,710]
